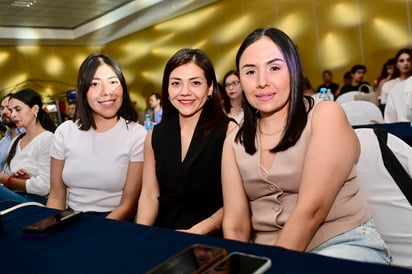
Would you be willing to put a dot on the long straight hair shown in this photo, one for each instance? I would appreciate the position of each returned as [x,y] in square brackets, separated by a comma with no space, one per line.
[298,109]
[87,71]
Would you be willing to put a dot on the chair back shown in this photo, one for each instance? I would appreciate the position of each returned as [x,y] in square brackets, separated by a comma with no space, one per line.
[347,96]
[362,113]
[391,210]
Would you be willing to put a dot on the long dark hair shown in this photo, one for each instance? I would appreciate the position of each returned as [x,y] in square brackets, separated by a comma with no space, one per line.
[396,71]
[226,100]
[298,110]
[30,98]
[87,71]
[384,71]
[213,108]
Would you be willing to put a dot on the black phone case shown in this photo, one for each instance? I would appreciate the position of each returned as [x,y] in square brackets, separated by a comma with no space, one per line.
[49,225]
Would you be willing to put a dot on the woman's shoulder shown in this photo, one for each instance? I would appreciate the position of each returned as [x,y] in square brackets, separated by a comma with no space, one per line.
[45,137]
[327,109]
[45,134]
[132,125]
[67,125]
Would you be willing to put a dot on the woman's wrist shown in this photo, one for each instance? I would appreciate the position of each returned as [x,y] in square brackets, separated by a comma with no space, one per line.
[9,181]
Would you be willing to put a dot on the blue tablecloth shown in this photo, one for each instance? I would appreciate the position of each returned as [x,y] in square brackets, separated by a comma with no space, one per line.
[98,245]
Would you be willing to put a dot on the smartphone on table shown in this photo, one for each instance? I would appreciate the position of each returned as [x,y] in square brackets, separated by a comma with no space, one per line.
[193,259]
[49,225]
[240,263]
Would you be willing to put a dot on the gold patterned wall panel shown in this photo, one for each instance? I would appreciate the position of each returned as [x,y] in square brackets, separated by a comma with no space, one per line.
[330,34]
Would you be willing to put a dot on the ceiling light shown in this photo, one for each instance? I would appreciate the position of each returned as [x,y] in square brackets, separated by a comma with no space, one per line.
[26,4]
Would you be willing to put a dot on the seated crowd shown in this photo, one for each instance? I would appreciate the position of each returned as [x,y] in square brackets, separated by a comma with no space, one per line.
[238,160]
[392,90]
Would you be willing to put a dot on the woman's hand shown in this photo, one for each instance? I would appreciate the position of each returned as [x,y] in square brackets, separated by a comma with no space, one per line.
[21,174]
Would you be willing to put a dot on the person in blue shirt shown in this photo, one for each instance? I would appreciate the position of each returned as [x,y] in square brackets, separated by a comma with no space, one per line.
[156,107]
[11,133]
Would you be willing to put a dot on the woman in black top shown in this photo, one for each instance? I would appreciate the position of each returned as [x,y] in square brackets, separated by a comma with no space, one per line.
[182,170]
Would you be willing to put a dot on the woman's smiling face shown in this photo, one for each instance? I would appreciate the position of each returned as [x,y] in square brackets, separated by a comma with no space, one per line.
[188,89]
[265,76]
[105,94]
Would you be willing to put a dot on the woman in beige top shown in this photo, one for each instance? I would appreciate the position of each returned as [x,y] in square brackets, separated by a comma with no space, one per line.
[286,182]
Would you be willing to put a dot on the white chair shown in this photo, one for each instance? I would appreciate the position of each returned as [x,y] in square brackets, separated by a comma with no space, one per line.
[362,113]
[347,97]
[390,208]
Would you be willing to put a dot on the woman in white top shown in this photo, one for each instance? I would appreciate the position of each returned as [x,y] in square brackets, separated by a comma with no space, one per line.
[97,161]
[401,73]
[26,175]
[399,104]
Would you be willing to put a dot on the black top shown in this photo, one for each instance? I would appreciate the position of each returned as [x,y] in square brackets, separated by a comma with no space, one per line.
[190,190]
[349,87]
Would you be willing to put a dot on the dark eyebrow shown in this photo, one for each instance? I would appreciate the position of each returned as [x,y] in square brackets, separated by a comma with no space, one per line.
[191,79]
[111,77]
[268,62]
[175,78]
[195,78]
[275,60]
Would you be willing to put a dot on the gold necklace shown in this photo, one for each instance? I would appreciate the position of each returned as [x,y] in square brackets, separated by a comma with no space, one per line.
[270,134]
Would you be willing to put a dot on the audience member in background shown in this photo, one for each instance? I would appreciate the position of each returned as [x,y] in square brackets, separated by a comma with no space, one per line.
[26,174]
[285,181]
[401,73]
[347,79]
[328,82]
[11,130]
[386,74]
[182,176]
[357,74]
[156,110]
[72,111]
[97,161]
[399,103]
[232,96]
[307,87]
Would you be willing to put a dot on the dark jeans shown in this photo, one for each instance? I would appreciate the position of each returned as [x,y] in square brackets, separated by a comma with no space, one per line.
[20,197]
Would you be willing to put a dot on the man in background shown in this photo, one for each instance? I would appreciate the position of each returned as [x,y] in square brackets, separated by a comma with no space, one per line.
[11,133]
[328,82]
[72,111]
[357,84]
[155,107]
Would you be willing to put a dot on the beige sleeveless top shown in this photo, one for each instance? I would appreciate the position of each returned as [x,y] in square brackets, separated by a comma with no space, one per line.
[273,193]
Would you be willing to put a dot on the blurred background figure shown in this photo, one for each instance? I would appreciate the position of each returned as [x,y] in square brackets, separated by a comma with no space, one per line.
[386,74]
[328,82]
[232,96]
[357,73]
[307,87]
[401,72]
[72,111]
[11,131]
[156,110]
